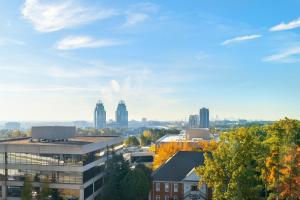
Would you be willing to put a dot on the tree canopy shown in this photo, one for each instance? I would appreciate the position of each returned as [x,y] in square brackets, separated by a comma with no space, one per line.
[255,163]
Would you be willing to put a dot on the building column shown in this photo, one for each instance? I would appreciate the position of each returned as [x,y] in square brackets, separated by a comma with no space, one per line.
[81,193]
[4,195]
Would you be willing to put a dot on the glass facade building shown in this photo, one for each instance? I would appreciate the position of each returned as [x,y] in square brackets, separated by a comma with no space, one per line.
[99,116]
[122,115]
[75,167]
[204,118]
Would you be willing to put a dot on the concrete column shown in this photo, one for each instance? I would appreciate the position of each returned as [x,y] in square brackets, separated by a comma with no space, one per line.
[4,193]
[81,193]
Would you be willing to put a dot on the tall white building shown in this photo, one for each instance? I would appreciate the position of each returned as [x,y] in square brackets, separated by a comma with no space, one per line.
[100,116]
[122,115]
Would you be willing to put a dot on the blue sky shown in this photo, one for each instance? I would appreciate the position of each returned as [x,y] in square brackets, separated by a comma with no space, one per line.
[166,59]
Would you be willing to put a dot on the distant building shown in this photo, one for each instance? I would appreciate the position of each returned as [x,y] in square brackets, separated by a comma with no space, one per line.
[100,116]
[122,115]
[193,121]
[12,126]
[176,179]
[204,118]
[194,134]
[73,165]
[81,124]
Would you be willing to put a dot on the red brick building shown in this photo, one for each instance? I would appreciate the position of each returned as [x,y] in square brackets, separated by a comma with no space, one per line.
[177,180]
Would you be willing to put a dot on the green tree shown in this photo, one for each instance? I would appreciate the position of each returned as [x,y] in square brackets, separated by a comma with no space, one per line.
[233,171]
[26,193]
[282,164]
[135,185]
[45,191]
[116,170]
[131,141]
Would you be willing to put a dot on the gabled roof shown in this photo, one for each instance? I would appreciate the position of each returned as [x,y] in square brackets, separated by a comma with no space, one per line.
[177,167]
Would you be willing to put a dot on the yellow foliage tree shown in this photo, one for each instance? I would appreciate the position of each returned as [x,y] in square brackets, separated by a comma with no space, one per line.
[166,150]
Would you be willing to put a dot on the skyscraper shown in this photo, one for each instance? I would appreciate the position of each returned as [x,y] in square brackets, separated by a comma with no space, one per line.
[193,121]
[122,115]
[100,116]
[204,118]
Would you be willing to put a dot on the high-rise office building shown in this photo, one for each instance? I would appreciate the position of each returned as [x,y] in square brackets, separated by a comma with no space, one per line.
[204,118]
[100,116]
[193,121]
[122,115]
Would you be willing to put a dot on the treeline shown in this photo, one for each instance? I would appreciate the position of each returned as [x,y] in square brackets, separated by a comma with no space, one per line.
[123,183]
[256,163]
[149,136]
[6,134]
[94,131]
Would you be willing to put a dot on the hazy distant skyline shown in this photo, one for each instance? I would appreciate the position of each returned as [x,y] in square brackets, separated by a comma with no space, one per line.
[166,59]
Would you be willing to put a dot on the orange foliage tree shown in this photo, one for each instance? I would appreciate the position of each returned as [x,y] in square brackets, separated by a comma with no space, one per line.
[166,150]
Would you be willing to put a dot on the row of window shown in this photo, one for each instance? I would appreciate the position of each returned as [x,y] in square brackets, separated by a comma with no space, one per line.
[52,159]
[166,187]
[166,197]
[42,176]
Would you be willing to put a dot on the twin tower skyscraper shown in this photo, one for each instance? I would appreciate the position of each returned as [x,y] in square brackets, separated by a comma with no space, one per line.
[121,116]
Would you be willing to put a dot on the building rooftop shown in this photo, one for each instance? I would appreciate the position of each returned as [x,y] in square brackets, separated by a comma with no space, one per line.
[79,141]
[177,167]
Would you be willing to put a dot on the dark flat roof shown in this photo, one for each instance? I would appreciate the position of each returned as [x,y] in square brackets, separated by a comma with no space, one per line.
[177,167]
[78,140]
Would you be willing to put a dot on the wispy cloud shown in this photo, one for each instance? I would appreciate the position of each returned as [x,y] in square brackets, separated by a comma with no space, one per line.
[57,15]
[135,18]
[286,26]
[10,41]
[240,39]
[76,42]
[201,56]
[139,13]
[286,56]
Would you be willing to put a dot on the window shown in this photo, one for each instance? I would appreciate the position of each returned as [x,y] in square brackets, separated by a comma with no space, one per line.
[175,187]
[175,197]
[167,197]
[194,188]
[166,187]
[157,187]
[157,197]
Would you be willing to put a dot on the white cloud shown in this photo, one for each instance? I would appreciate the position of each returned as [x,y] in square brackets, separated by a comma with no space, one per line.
[240,39]
[139,13]
[76,42]
[287,56]
[57,15]
[135,18]
[115,86]
[286,26]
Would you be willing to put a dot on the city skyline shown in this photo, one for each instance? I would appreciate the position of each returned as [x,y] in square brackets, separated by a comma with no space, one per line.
[166,60]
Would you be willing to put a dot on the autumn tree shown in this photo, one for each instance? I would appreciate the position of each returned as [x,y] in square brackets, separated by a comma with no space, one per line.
[166,150]
[282,174]
[233,169]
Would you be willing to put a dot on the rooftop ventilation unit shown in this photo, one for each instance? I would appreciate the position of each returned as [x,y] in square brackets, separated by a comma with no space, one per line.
[53,133]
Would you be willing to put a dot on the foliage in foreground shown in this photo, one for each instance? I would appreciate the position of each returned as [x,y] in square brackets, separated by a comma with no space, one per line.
[123,183]
[256,163]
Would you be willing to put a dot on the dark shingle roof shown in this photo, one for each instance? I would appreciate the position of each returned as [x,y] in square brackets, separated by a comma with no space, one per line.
[178,166]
